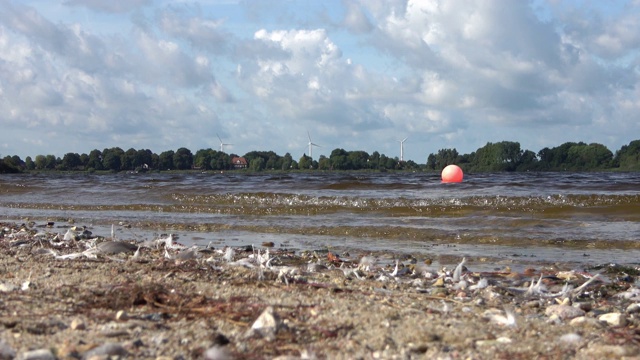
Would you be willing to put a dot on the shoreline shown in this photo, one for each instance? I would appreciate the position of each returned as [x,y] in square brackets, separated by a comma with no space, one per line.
[88,297]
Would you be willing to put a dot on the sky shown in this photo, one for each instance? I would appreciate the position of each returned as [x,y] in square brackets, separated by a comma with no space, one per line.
[265,75]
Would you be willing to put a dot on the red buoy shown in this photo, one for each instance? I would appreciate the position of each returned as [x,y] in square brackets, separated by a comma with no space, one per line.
[452,174]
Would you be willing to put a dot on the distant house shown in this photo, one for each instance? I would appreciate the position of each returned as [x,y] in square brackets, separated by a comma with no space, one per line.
[239,163]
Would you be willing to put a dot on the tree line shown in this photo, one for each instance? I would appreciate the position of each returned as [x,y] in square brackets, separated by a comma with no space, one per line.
[493,157]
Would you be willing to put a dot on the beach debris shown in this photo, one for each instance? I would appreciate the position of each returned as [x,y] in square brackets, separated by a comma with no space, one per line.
[481,284]
[188,254]
[229,254]
[584,301]
[497,317]
[70,235]
[266,325]
[458,270]
[168,242]
[333,257]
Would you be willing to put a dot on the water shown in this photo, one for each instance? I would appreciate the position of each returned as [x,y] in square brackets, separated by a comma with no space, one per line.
[515,218]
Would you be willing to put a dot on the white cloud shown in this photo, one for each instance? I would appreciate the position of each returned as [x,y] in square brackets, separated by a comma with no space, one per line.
[164,75]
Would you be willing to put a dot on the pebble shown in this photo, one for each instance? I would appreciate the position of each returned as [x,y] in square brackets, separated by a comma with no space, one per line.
[571,338]
[77,324]
[613,319]
[107,349]
[266,325]
[4,287]
[6,351]
[122,315]
[216,353]
[40,354]
[586,306]
[633,308]
[564,312]
[583,322]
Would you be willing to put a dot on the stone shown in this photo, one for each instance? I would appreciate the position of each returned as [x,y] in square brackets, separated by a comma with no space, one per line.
[107,349]
[6,351]
[613,319]
[39,354]
[77,324]
[633,308]
[564,312]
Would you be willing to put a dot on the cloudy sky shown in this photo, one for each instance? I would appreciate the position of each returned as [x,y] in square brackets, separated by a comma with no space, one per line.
[78,75]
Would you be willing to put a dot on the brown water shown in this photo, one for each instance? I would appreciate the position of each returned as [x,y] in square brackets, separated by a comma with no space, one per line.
[570,217]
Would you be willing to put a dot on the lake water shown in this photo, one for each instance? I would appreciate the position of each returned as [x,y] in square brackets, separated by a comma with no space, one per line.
[510,218]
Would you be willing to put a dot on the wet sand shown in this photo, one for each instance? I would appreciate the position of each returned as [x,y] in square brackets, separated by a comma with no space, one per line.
[89,297]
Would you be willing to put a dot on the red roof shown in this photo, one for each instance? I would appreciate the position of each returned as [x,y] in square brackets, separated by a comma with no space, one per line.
[239,161]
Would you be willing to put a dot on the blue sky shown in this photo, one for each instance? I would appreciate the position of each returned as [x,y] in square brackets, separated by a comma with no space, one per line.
[78,75]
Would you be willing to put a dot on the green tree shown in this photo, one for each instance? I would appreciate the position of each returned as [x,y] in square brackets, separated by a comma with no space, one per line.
[71,161]
[51,162]
[304,162]
[165,160]
[339,159]
[588,157]
[112,159]
[220,161]
[28,162]
[143,160]
[555,158]
[41,162]
[374,160]
[358,160]
[95,160]
[528,161]
[127,160]
[287,160]
[257,164]
[324,163]
[202,159]
[443,158]
[628,157]
[8,165]
[183,159]
[502,156]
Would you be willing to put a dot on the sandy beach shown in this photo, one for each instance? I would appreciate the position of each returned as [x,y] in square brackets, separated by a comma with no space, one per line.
[69,295]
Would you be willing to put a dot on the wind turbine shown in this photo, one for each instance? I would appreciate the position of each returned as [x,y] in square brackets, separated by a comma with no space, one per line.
[402,148]
[222,144]
[311,145]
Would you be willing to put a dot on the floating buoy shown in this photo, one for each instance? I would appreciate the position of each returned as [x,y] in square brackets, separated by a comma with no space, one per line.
[452,174]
